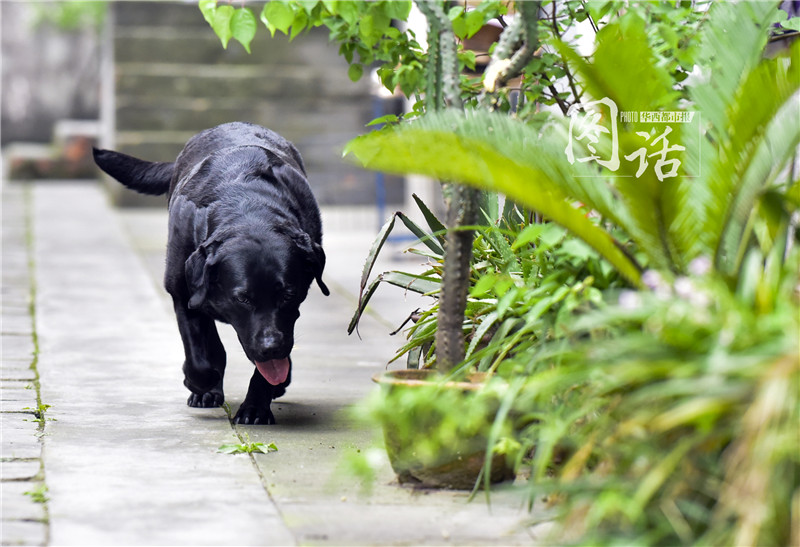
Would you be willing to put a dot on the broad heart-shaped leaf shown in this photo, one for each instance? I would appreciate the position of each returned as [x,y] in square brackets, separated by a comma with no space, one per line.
[277,15]
[444,153]
[207,8]
[243,27]
[221,23]
[398,9]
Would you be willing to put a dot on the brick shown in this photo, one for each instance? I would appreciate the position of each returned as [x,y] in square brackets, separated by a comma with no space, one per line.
[20,436]
[16,346]
[18,370]
[17,505]
[19,470]
[23,532]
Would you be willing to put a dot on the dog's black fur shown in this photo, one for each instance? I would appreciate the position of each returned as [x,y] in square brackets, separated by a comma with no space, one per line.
[245,243]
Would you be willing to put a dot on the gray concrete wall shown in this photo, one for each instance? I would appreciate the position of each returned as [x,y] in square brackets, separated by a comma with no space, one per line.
[48,73]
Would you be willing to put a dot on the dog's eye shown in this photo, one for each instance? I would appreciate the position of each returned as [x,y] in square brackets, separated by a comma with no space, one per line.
[241,298]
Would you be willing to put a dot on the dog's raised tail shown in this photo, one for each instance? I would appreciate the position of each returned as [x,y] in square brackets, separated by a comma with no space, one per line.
[146,177]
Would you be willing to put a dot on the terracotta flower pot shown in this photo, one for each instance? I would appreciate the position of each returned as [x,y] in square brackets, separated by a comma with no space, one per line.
[412,426]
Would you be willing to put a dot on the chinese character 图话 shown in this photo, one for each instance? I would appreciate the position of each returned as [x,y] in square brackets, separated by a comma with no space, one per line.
[662,161]
[590,129]
[600,117]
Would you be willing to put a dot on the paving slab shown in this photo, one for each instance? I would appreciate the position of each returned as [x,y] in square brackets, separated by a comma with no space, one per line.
[24,518]
[23,532]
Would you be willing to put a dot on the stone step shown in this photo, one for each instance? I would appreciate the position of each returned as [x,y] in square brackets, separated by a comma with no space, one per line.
[165,14]
[247,82]
[198,114]
[197,46]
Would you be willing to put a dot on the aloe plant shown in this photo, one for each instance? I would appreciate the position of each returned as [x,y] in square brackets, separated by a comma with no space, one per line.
[747,107]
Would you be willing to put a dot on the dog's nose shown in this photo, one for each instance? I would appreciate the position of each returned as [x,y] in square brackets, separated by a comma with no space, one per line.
[271,346]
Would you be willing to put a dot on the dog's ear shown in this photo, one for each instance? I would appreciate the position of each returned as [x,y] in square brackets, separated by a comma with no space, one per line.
[198,273]
[315,256]
[319,265]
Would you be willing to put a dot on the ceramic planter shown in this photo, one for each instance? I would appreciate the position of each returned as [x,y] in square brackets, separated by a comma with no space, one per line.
[413,428]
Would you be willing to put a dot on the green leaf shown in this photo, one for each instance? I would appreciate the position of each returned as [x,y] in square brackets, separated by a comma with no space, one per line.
[419,284]
[247,448]
[307,5]
[482,329]
[416,283]
[369,263]
[375,249]
[277,15]
[428,240]
[368,30]
[231,449]
[623,55]
[792,24]
[355,72]
[387,119]
[207,8]
[397,9]
[348,10]
[483,285]
[221,23]
[528,235]
[271,447]
[459,22]
[243,27]
[474,22]
[434,223]
[299,24]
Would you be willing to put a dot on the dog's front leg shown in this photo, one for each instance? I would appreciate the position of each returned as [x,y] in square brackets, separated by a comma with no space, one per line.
[255,408]
[204,366]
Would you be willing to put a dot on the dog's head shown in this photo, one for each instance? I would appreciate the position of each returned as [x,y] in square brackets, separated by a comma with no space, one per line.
[257,284]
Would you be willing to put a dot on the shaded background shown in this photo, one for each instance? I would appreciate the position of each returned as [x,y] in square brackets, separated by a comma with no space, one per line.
[153,73]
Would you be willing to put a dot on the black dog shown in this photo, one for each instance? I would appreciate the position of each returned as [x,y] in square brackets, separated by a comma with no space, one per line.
[244,246]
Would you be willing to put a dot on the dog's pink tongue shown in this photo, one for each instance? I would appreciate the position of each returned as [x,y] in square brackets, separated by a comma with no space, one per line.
[274,371]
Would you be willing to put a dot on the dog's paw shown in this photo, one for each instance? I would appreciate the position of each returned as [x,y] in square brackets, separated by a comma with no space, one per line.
[209,399]
[200,381]
[254,415]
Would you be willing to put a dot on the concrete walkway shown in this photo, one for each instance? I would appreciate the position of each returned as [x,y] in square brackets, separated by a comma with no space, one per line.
[119,458]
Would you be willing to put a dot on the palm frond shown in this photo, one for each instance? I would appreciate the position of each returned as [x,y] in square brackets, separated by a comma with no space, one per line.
[493,152]
[738,96]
